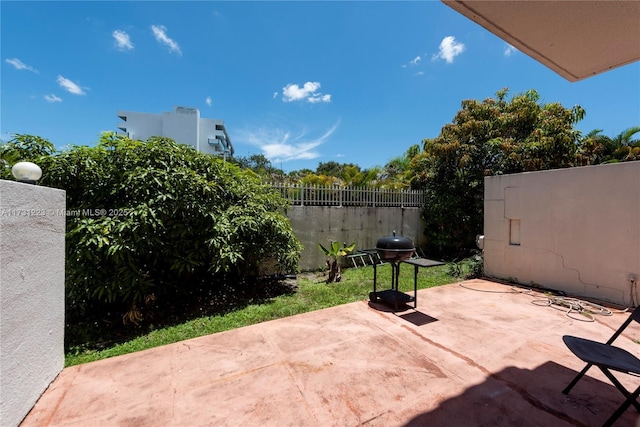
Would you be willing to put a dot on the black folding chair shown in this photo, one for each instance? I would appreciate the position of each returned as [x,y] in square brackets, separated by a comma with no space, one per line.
[608,358]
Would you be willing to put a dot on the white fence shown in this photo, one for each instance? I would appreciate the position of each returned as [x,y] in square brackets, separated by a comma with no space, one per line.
[318,195]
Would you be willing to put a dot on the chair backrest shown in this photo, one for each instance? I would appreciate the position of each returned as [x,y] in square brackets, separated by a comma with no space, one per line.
[635,315]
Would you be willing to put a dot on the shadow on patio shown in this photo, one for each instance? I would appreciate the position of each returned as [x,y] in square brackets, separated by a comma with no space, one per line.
[506,398]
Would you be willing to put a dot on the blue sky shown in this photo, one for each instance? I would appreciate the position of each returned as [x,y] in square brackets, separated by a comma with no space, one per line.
[300,82]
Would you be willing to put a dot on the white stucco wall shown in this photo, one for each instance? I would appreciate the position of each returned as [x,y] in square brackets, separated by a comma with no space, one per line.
[32,248]
[364,226]
[142,126]
[578,231]
[182,125]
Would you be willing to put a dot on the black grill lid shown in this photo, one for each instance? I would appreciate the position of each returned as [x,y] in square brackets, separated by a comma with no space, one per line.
[395,242]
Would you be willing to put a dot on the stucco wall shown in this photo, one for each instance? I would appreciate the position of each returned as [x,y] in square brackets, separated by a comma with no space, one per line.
[362,225]
[576,230]
[181,125]
[32,226]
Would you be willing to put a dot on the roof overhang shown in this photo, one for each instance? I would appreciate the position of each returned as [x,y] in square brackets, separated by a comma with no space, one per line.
[576,39]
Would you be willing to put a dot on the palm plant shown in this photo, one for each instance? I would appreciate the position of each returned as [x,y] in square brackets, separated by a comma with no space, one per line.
[627,148]
[597,148]
[333,262]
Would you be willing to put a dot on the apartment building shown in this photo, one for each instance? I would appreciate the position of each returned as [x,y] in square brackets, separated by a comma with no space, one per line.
[183,125]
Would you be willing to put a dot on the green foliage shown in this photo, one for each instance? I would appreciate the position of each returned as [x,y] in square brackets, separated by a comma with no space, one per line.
[596,148]
[469,268]
[335,252]
[156,220]
[396,173]
[343,174]
[320,180]
[332,168]
[491,137]
[22,148]
[262,166]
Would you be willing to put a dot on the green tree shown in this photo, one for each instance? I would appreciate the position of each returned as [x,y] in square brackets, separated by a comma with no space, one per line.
[262,166]
[626,147]
[335,169]
[596,148]
[494,136]
[353,176]
[155,220]
[321,180]
[395,172]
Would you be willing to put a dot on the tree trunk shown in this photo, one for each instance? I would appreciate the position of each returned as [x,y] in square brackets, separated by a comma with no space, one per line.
[334,271]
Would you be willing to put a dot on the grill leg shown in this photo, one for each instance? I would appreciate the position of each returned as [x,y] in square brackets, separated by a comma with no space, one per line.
[415,286]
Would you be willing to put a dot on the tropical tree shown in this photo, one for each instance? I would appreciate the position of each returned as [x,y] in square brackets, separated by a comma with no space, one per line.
[354,176]
[596,148]
[331,168]
[334,253]
[321,180]
[394,174]
[626,147]
[494,136]
[626,137]
[262,166]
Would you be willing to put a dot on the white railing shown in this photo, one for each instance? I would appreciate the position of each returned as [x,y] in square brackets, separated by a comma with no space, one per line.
[319,195]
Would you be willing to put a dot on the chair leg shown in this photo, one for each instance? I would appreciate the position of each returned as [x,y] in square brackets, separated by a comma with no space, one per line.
[631,399]
[623,390]
[576,379]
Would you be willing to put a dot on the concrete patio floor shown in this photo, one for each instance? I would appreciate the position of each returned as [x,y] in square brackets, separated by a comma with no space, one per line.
[463,358]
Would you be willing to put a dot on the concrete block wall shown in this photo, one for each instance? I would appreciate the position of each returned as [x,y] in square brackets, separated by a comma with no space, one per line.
[575,230]
[32,253]
[362,225]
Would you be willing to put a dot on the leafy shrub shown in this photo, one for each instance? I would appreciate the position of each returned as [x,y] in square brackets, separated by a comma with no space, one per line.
[156,220]
[22,148]
[468,268]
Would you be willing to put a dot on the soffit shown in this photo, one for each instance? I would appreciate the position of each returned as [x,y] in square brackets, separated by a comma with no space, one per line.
[576,39]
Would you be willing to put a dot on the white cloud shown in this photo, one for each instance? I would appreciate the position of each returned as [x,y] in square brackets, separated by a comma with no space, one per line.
[278,145]
[52,98]
[419,73]
[70,86]
[449,49]
[160,33]
[122,40]
[319,98]
[20,65]
[308,91]
[414,62]
[508,49]
[275,95]
[209,101]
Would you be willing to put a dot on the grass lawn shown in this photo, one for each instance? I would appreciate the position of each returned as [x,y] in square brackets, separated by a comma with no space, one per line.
[312,294]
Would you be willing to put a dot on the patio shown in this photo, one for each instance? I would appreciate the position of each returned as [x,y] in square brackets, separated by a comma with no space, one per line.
[473,355]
